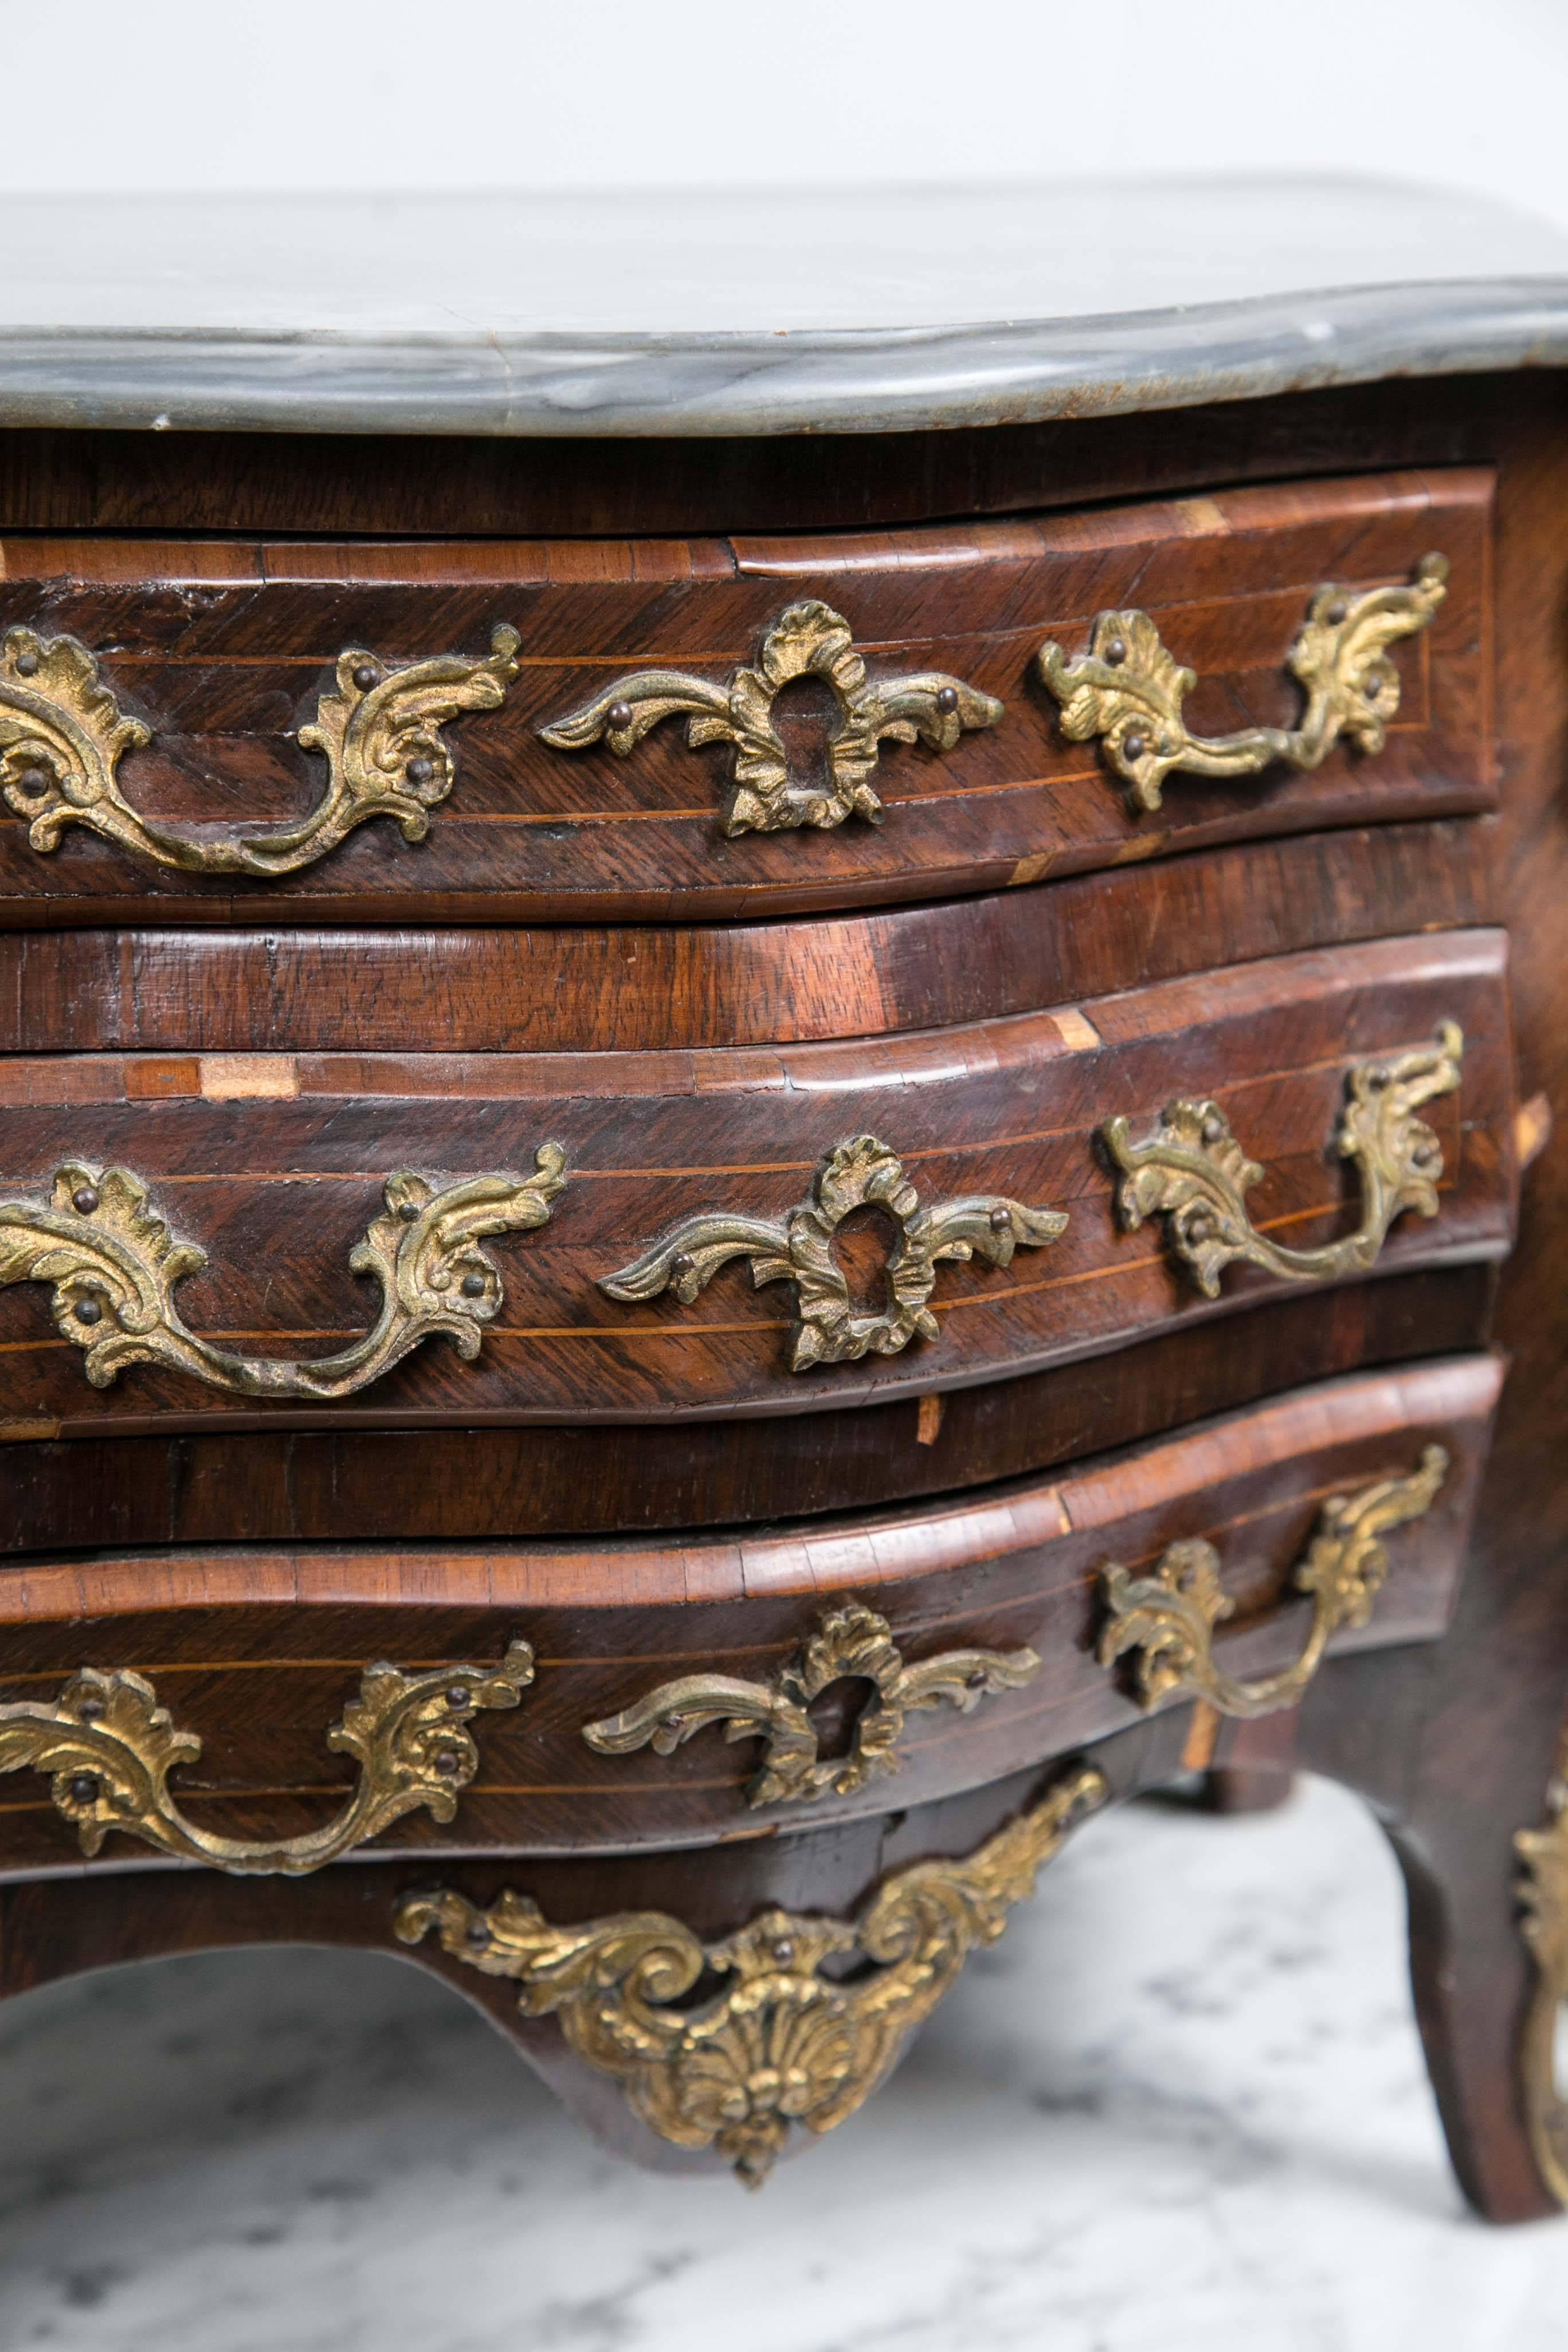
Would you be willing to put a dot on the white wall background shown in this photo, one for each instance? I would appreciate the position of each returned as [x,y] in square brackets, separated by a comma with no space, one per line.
[450,94]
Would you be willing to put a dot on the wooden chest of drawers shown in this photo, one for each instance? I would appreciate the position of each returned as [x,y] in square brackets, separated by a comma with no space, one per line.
[705,1222]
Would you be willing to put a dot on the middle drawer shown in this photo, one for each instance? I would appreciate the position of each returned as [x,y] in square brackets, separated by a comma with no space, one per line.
[656,1235]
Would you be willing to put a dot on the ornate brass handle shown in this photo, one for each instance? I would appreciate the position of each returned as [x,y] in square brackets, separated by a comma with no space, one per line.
[798,1248]
[114,1266]
[852,1643]
[111,1749]
[808,640]
[62,736]
[1128,689]
[1169,1618]
[1194,1174]
[1542,1891]
[783,2043]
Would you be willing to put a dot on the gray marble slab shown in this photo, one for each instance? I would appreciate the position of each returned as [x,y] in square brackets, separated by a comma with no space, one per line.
[743,313]
[1180,2108]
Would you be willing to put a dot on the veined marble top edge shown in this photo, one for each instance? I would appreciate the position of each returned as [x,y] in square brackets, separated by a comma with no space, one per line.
[558,384]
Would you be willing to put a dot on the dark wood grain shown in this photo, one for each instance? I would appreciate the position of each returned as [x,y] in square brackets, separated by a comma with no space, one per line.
[278,1188]
[463,1483]
[637,988]
[224,647]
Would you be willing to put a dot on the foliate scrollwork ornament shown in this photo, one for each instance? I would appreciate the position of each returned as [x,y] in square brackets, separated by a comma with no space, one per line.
[114,1266]
[110,1748]
[1194,1173]
[1167,1619]
[808,640]
[63,735]
[1128,690]
[1542,1889]
[781,2043]
[850,1642]
[798,1248]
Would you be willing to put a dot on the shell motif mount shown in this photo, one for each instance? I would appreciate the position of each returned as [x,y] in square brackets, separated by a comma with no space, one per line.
[110,1748]
[852,1642]
[1167,1619]
[780,2043]
[1194,1173]
[1128,690]
[113,1266]
[798,1248]
[808,640]
[63,735]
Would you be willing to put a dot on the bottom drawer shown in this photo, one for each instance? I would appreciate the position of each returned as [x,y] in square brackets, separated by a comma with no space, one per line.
[214,1705]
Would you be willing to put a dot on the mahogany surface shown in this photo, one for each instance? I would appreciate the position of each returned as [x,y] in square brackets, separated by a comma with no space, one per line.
[1452,1738]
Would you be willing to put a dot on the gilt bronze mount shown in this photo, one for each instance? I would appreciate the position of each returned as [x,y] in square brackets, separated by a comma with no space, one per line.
[808,640]
[779,2042]
[852,1642]
[1194,1173]
[1128,690]
[798,1248]
[114,1266]
[63,735]
[110,1748]
[1167,1619]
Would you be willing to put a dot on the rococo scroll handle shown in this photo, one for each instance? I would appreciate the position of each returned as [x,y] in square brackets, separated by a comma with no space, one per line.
[782,2043]
[1168,1618]
[63,735]
[1542,1889]
[798,1247]
[109,1748]
[1194,1174]
[114,1266]
[808,640]
[850,1642]
[1128,690]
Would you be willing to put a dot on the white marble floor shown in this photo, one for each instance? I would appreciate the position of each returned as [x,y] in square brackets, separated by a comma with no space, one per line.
[1181,2105]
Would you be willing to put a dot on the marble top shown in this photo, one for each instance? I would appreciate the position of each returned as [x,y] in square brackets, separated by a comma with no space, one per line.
[748,312]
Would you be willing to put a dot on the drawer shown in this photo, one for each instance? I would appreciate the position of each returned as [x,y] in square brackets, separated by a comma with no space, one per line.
[954,1644]
[349,713]
[717,1233]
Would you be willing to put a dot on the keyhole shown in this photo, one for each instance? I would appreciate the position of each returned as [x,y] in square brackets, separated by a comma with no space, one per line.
[805,717]
[863,1243]
[834,1713]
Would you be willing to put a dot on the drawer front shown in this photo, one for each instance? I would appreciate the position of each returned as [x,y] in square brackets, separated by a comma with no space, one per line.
[706,1233]
[954,1643]
[293,732]
[709,1234]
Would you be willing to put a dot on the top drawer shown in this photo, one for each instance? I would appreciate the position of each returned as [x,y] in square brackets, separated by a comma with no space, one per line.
[356,731]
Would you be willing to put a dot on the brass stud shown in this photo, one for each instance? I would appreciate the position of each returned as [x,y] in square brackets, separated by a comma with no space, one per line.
[90,1312]
[27,665]
[365,675]
[947,700]
[619,717]
[1133,746]
[84,1200]
[419,772]
[84,1788]
[473,1286]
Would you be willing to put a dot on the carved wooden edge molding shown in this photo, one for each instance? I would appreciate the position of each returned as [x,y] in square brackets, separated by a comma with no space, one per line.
[1194,1174]
[1168,1618]
[807,640]
[781,2043]
[1542,1891]
[110,1748]
[1128,690]
[114,1267]
[798,1248]
[852,1642]
[63,734]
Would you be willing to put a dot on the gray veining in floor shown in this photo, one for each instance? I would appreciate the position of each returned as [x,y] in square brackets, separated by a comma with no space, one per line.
[1180,2106]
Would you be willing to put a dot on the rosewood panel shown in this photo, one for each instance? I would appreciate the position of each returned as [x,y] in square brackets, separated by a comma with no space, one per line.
[276,1173]
[223,647]
[256,1651]
[631,988]
[455,1484]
